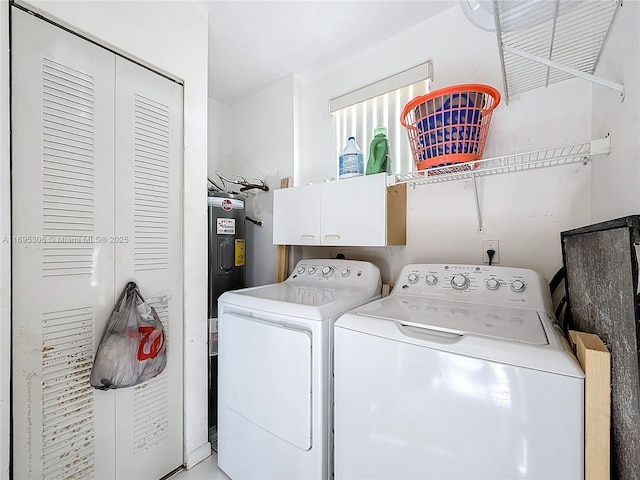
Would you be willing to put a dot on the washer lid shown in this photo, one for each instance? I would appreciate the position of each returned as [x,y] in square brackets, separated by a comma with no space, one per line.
[511,324]
[302,295]
[309,302]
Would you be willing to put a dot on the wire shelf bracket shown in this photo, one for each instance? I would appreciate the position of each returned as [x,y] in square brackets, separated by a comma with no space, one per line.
[572,71]
[544,42]
[550,157]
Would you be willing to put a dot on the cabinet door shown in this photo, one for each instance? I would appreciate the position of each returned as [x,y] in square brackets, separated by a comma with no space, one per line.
[354,211]
[296,215]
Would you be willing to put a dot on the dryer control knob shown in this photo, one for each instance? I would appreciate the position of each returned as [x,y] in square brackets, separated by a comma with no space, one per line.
[459,282]
[432,279]
[413,278]
[518,286]
[327,271]
[300,269]
[346,272]
[492,284]
[312,270]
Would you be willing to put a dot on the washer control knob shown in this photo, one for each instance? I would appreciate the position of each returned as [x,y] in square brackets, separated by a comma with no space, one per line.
[492,284]
[346,272]
[517,286]
[413,278]
[432,279]
[311,270]
[459,282]
[327,271]
[300,269]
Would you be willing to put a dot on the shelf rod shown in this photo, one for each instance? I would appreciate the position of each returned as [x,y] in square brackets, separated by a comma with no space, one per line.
[553,37]
[569,70]
[496,20]
[475,196]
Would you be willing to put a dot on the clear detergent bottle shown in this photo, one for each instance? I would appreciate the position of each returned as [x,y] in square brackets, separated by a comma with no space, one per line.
[351,160]
[379,160]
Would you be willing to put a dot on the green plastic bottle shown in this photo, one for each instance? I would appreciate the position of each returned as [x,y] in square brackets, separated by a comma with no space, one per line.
[379,160]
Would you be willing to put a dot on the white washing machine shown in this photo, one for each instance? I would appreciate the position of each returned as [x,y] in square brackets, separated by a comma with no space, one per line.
[274,372]
[461,373]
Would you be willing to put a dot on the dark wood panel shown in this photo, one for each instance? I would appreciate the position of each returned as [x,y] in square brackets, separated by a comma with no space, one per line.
[602,288]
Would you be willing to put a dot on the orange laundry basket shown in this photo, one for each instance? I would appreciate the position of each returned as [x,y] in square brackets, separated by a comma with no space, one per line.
[449,125]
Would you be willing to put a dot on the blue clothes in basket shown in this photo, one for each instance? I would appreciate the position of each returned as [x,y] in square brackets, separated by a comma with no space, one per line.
[450,124]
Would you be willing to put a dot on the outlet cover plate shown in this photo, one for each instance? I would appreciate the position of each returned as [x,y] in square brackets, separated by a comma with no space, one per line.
[491,245]
[334,252]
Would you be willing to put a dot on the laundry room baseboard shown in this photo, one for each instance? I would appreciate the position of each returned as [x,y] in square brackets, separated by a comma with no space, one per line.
[198,455]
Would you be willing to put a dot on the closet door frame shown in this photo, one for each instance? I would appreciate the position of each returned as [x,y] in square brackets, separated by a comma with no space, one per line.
[5,245]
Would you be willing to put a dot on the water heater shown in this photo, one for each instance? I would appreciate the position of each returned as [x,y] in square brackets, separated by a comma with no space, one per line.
[226,246]
[226,272]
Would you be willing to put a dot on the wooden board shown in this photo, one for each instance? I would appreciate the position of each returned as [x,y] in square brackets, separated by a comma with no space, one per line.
[596,363]
[282,251]
[397,214]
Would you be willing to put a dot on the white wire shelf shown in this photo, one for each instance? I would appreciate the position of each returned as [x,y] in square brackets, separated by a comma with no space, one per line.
[551,157]
[544,42]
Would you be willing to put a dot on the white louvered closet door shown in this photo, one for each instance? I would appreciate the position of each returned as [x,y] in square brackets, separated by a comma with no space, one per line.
[148,211]
[72,183]
[63,282]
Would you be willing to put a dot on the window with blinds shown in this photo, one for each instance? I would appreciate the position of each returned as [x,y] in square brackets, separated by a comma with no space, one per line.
[380,104]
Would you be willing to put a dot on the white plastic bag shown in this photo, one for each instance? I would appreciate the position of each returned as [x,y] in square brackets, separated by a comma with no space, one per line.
[133,346]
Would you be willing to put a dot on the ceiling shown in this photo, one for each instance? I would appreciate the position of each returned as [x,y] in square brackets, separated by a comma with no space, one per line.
[255,43]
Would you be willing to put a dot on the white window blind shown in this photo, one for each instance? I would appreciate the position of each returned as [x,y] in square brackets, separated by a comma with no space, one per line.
[380,104]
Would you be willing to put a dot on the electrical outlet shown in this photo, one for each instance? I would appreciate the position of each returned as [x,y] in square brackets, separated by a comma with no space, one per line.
[339,253]
[491,245]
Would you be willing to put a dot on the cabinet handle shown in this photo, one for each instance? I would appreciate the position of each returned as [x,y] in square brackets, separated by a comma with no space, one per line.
[332,237]
[307,237]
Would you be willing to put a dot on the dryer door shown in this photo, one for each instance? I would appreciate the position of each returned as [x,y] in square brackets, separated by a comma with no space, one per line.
[268,379]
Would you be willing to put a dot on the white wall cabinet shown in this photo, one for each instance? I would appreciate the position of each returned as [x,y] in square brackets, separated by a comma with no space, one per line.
[360,211]
[296,215]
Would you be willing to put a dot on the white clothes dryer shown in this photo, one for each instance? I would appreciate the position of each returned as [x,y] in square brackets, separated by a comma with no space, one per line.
[274,380]
[460,373]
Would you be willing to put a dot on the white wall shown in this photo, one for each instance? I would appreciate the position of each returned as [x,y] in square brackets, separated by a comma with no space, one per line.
[219,139]
[524,211]
[157,34]
[616,178]
[261,146]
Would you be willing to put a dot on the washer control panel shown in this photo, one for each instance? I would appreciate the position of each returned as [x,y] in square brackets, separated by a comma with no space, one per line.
[335,272]
[484,284]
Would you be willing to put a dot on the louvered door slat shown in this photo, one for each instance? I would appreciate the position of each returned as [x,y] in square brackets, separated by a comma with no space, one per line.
[68,93]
